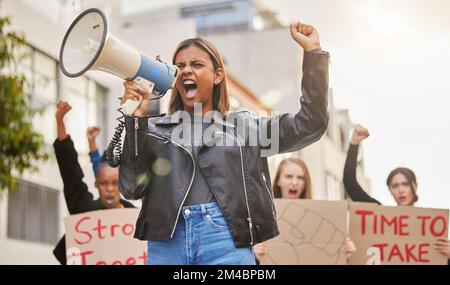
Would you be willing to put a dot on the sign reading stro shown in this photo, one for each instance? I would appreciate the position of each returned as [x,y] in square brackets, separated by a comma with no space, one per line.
[104,237]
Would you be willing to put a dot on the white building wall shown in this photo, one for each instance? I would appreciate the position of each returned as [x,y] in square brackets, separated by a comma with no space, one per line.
[44,28]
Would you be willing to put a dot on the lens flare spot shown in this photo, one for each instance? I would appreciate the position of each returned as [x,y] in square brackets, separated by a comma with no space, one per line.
[161,167]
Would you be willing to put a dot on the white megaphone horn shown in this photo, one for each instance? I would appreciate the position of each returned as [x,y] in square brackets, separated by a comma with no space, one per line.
[88,45]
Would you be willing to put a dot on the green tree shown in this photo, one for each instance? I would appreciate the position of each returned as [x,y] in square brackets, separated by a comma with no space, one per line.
[20,146]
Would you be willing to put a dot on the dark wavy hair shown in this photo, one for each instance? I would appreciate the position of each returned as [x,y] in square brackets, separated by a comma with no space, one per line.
[410,177]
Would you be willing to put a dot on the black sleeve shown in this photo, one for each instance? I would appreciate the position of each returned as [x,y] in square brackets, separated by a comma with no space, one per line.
[352,186]
[296,131]
[60,251]
[78,198]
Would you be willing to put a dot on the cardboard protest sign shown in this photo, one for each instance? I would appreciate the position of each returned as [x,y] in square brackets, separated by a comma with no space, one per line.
[311,232]
[396,235]
[104,237]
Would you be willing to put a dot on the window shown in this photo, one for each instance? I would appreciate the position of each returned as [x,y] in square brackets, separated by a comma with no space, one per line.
[33,213]
[40,71]
[221,16]
[88,101]
[86,96]
[343,139]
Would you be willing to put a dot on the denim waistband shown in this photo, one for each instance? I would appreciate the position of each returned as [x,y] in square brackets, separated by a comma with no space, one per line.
[202,209]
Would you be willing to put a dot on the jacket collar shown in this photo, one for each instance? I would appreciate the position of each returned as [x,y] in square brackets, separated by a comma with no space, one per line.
[179,116]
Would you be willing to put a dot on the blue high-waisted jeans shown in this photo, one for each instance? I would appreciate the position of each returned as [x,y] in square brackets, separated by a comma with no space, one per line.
[201,237]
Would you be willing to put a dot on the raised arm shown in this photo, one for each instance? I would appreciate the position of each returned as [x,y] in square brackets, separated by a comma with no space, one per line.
[354,190]
[78,198]
[295,131]
[91,134]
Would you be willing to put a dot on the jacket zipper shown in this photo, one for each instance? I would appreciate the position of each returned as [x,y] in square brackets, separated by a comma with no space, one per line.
[272,203]
[249,219]
[190,184]
[136,127]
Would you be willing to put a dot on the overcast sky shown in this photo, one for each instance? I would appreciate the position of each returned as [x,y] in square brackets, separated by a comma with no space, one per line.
[390,68]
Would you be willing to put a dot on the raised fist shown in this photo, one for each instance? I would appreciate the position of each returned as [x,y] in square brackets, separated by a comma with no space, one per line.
[305,35]
[61,109]
[359,134]
[92,132]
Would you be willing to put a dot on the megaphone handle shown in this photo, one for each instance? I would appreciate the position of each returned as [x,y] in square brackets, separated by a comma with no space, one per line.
[113,151]
[130,106]
[144,83]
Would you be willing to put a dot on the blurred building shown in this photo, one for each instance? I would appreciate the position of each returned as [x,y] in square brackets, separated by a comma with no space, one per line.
[259,51]
[264,76]
[229,16]
[326,158]
[31,219]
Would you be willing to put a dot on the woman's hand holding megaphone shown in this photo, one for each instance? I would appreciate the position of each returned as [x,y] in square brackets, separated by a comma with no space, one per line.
[134,92]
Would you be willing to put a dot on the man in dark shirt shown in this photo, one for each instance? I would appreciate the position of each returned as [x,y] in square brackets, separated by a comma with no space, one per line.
[78,198]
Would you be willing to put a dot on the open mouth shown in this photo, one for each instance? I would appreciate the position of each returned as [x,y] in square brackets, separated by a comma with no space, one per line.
[110,200]
[191,88]
[293,191]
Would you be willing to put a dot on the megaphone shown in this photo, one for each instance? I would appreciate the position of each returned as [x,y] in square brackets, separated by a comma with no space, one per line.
[88,45]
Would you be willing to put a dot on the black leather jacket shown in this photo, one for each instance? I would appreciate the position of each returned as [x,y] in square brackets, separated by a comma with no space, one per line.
[161,169]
